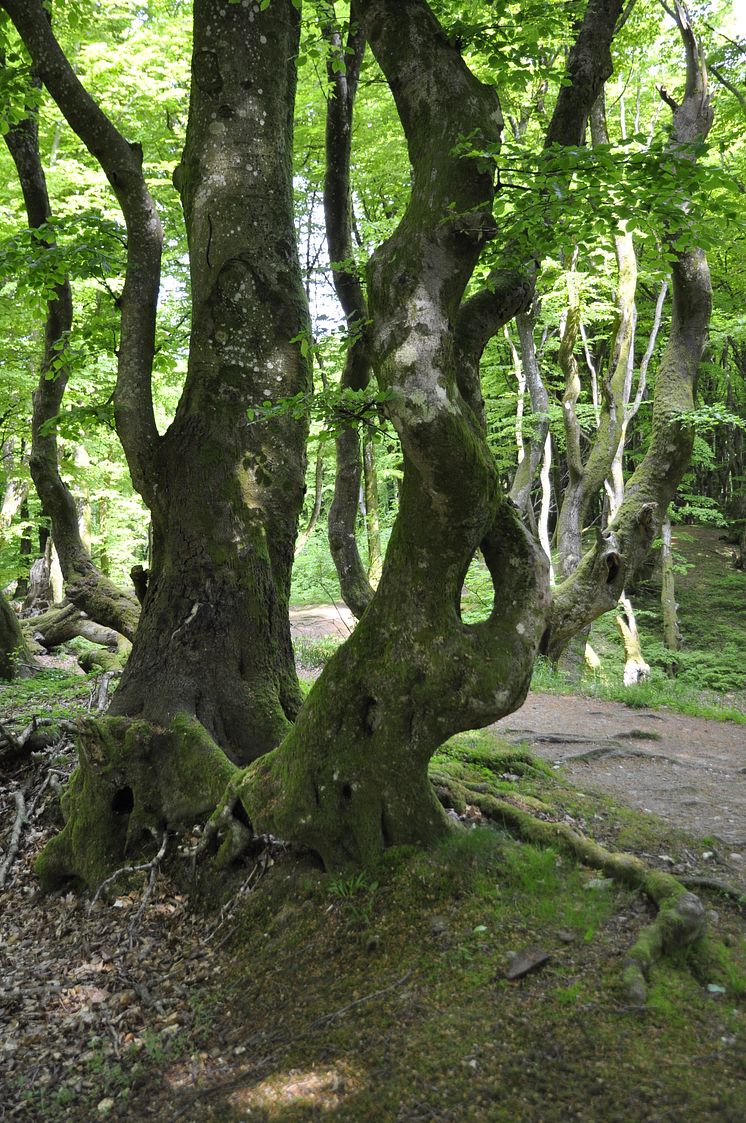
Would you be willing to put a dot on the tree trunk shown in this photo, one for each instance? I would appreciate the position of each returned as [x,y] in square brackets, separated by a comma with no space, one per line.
[318,494]
[351,775]
[214,637]
[372,516]
[539,444]
[60,624]
[636,670]
[621,550]
[94,594]
[14,653]
[351,778]
[343,73]
[671,631]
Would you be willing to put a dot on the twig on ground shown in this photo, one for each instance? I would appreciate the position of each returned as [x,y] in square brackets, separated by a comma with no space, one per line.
[154,865]
[16,743]
[15,836]
[123,870]
[325,1018]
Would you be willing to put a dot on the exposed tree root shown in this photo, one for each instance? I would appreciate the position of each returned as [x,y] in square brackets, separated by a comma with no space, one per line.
[681,916]
[13,746]
[15,837]
[716,885]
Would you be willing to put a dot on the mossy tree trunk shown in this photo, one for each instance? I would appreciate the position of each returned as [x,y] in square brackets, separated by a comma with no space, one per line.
[351,778]
[214,639]
[14,652]
[212,652]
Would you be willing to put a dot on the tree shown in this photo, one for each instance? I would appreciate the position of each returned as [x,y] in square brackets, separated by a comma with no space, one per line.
[349,778]
[86,587]
[13,648]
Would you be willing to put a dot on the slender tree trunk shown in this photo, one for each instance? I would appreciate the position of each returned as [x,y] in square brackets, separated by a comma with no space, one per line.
[343,72]
[98,597]
[525,474]
[671,631]
[570,518]
[318,495]
[16,488]
[636,670]
[372,512]
[621,550]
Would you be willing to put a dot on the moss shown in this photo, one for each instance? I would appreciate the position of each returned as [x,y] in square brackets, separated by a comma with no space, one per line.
[133,780]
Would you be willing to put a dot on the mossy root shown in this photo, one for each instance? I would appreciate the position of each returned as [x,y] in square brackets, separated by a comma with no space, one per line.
[681,918]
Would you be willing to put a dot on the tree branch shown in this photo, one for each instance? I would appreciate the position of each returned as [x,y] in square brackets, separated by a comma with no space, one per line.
[122,165]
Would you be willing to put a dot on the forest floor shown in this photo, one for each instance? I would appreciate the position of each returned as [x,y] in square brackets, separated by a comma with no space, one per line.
[386,996]
[383,996]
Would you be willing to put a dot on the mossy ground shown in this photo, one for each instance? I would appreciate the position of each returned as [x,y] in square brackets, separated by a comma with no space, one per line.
[382,996]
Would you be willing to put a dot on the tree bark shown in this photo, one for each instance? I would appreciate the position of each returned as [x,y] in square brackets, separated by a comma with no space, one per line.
[94,594]
[671,631]
[214,639]
[351,776]
[14,651]
[343,73]
[525,474]
[64,622]
[318,495]
[372,515]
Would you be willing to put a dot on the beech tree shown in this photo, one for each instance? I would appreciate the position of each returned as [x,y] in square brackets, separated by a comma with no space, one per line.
[86,587]
[210,683]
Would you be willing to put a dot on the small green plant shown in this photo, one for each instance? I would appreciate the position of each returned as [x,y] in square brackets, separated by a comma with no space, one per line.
[355,891]
[315,652]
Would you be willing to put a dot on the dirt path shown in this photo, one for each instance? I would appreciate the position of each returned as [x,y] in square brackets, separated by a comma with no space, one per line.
[689,771]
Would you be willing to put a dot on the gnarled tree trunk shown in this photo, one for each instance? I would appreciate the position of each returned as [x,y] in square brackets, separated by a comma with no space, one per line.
[85,585]
[212,660]
[351,778]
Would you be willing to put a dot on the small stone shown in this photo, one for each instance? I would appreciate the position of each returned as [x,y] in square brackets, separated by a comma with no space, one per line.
[522,962]
[599,884]
[239,1050]
[708,854]
[169,1031]
[712,916]
[105,1106]
[667,859]
[565,935]
[438,926]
